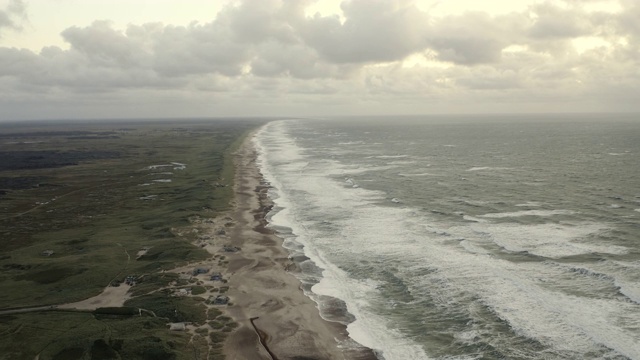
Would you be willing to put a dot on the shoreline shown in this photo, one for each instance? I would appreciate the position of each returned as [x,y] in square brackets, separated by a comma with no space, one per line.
[264,288]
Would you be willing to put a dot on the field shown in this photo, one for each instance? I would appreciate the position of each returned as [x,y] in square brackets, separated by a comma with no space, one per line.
[78,202]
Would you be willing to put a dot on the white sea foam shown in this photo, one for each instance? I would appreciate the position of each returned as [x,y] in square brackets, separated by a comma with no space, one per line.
[154,167]
[627,278]
[402,162]
[474,219]
[369,329]
[351,143]
[542,213]
[390,156]
[482,168]
[549,240]
[457,269]
[630,289]
[346,170]
[417,174]
[530,204]
[473,248]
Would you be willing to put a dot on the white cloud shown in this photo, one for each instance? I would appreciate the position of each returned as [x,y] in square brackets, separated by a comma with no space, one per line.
[261,57]
[374,31]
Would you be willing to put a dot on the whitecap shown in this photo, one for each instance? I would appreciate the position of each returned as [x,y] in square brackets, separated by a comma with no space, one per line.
[482,168]
[530,204]
[541,213]
[418,174]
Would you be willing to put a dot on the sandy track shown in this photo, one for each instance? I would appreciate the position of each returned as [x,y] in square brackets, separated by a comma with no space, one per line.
[110,297]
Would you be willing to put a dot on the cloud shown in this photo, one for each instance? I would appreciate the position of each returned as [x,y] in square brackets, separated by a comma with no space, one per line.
[197,49]
[374,31]
[13,15]
[553,22]
[274,59]
[489,78]
[104,46]
[627,23]
[472,38]
[269,53]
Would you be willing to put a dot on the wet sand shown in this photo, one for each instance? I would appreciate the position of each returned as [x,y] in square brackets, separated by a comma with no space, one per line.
[263,288]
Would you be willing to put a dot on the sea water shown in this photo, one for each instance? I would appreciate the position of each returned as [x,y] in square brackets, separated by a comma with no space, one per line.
[466,237]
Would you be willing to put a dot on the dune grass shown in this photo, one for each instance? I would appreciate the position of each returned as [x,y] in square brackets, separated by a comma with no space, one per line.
[95,216]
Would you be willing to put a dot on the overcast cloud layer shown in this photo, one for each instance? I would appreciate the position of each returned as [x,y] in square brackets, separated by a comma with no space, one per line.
[382,56]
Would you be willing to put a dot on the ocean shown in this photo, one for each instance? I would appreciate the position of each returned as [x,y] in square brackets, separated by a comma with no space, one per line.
[465,237]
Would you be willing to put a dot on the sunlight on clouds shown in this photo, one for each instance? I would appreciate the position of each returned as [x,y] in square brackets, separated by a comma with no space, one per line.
[325,8]
[448,7]
[389,51]
[586,43]
[420,60]
[602,6]
[515,49]
[44,29]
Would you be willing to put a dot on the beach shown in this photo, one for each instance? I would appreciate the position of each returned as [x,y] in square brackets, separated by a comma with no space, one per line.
[264,288]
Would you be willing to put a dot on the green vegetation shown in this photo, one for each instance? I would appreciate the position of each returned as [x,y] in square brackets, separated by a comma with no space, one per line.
[175,309]
[82,336]
[198,290]
[78,202]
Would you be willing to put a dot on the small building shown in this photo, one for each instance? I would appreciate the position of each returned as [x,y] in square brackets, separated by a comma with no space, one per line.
[47,253]
[229,248]
[177,327]
[198,271]
[220,300]
[183,292]
[216,277]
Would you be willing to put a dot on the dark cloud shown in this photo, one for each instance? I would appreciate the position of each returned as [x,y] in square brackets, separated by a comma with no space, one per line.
[13,15]
[17,62]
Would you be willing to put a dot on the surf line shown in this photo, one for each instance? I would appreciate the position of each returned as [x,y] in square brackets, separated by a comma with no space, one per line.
[262,337]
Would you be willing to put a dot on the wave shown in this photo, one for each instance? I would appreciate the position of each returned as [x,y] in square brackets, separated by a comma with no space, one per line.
[411,279]
[527,213]
[482,168]
[416,174]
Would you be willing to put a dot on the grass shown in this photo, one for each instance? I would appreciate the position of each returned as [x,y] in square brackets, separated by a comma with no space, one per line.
[80,335]
[175,309]
[198,290]
[95,216]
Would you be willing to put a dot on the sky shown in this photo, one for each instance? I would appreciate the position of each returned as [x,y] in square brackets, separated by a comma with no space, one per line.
[86,59]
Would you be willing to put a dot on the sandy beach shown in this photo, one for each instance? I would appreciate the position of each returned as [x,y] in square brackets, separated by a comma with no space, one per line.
[263,287]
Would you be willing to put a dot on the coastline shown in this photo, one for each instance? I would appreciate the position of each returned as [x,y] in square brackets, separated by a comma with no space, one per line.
[264,288]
